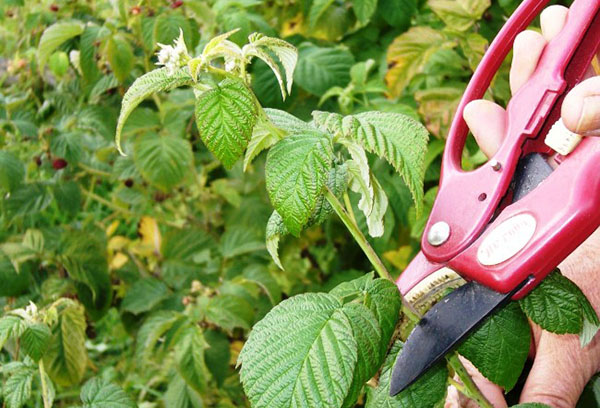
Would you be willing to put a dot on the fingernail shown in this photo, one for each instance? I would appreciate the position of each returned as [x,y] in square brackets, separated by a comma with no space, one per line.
[589,120]
[591,133]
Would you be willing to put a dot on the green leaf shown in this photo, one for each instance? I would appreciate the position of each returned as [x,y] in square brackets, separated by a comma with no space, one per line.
[262,138]
[263,278]
[87,56]
[17,388]
[150,83]
[66,358]
[296,170]
[409,53]
[54,36]
[83,255]
[120,56]
[225,116]
[287,122]
[68,145]
[262,47]
[35,339]
[144,295]
[12,171]
[68,197]
[240,240]
[189,354]
[28,199]
[10,327]
[230,311]
[459,15]
[163,161]
[217,355]
[397,138]
[310,360]
[275,230]
[531,405]
[364,10]
[381,296]
[554,305]
[322,68]
[99,393]
[181,395]
[427,392]
[500,346]
[317,8]
[154,327]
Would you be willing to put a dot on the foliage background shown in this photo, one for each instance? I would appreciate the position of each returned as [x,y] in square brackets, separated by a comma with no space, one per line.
[165,248]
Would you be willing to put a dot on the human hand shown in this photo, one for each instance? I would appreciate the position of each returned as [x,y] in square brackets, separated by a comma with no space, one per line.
[561,368]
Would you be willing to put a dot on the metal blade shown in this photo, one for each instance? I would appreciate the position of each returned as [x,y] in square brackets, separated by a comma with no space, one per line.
[445,325]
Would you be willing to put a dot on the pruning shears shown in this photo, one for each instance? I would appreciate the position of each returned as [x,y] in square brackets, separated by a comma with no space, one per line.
[496,232]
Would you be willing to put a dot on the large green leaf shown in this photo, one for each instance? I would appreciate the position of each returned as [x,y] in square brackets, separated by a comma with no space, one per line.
[230,311]
[189,354]
[54,36]
[302,353]
[120,56]
[10,327]
[296,170]
[322,68]
[163,160]
[225,116]
[12,171]
[500,346]
[35,339]
[150,83]
[427,392]
[87,56]
[154,327]
[17,388]
[397,138]
[364,10]
[99,393]
[555,305]
[144,295]
[66,358]
[180,395]
[217,355]
[28,199]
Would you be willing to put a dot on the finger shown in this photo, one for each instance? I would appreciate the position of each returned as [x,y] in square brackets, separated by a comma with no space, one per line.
[491,391]
[487,122]
[552,20]
[560,372]
[581,108]
[527,48]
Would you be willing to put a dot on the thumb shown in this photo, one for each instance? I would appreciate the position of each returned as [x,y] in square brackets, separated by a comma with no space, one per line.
[581,108]
[559,372]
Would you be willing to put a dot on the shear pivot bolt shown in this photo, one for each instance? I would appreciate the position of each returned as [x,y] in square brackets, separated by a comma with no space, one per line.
[438,233]
[495,165]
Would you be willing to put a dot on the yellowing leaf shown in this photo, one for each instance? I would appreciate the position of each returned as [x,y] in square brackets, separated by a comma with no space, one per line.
[117,243]
[437,107]
[149,233]
[118,260]
[399,257]
[408,54]
[459,15]
[110,230]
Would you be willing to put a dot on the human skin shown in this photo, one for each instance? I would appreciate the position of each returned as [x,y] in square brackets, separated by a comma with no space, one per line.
[561,368]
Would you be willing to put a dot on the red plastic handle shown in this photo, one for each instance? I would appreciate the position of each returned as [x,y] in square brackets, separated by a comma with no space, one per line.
[459,202]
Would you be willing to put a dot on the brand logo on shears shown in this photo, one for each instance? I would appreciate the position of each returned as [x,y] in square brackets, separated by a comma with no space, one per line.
[506,239]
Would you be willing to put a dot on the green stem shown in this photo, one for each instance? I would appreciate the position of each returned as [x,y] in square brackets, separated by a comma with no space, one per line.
[348,205]
[45,396]
[360,239]
[93,171]
[468,386]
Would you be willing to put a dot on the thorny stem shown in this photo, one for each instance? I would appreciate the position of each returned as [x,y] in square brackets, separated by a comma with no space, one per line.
[468,386]
[45,396]
[367,249]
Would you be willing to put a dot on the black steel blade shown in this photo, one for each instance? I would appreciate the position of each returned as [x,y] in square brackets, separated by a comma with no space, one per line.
[445,325]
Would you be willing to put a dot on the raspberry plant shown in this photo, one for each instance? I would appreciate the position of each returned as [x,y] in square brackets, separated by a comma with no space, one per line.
[227,259]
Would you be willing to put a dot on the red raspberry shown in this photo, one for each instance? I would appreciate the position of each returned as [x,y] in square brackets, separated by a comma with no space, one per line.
[176,4]
[59,164]
[54,8]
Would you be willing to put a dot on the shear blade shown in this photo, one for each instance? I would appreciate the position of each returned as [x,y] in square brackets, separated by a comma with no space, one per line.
[446,324]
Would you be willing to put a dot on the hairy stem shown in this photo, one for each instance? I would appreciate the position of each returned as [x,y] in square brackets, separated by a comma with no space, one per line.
[45,395]
[468,386]
[367,249]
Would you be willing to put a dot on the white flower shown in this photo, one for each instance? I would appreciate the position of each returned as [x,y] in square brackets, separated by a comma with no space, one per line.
[172,57]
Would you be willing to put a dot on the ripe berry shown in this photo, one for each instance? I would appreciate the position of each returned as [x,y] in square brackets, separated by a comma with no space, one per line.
[54,8]
[38,160]
[59,164]
[128,183]
[176,4]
